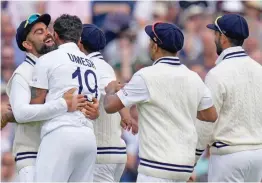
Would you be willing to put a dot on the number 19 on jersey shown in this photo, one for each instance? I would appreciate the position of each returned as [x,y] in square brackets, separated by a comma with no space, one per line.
[90,87]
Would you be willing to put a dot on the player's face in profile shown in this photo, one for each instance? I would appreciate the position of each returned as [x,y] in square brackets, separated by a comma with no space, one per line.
[218,42]
[41,39]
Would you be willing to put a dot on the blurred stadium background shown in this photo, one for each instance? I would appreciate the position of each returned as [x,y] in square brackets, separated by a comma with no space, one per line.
[123,23]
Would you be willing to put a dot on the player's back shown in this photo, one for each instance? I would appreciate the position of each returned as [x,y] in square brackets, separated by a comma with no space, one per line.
[111,148]
[66,68]
[240,120]
[169,114]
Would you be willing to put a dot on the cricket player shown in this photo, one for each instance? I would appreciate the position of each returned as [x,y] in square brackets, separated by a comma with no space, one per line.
[111,148]
[169,97]
[34,38]
[236,86]
[67,150]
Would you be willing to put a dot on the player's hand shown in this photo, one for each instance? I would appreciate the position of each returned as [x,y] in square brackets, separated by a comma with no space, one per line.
[3,123]
[113,87]
[74,102]
[6,115]
[91,109]
[192,178]
[134,127]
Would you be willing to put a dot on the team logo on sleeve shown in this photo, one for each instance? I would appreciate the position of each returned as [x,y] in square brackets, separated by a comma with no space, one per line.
[34,79]
[124,92]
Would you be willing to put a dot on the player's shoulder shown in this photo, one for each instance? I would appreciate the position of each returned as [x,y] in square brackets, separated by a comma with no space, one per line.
[49,57]
[24,68]
[102,64]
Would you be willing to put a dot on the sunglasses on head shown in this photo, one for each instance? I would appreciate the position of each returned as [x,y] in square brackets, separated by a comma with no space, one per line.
[32,18]
[218,25]
[156,38]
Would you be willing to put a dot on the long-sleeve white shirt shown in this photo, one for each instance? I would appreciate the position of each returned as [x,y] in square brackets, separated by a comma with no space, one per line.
[24,112]
[27,132]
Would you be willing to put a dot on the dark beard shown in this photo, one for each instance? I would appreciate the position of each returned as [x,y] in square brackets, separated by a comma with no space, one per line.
[219,48]
[46,49]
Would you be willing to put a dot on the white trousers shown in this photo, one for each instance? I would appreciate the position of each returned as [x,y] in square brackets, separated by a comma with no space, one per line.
[26,174]
[66,154]
[108,172]
[244,166]
[146,178]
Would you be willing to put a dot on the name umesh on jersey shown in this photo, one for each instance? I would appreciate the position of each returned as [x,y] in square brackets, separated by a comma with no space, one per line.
[81,60]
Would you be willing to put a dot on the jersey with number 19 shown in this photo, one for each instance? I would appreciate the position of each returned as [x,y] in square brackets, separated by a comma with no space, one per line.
[63,69]
[68,144]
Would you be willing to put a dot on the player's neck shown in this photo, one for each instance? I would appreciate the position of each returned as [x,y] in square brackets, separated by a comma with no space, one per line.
[165,55]
[34,53]
[60,42]
[86,52]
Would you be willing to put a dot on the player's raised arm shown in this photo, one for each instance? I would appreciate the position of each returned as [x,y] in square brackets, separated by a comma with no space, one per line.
[112,103]
[135,91]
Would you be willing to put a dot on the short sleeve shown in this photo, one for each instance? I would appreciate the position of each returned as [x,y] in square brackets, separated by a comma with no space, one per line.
[217,89]
[106,76]
[134,92]
[40,74]
[206,99]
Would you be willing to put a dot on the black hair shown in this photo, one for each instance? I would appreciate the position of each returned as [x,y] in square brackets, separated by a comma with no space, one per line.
[68,28]
[236,42]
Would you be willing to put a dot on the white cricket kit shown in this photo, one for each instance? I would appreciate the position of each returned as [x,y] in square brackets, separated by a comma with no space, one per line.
[27,133]
[111,148]
[68,148]
[168,96]
[236,87]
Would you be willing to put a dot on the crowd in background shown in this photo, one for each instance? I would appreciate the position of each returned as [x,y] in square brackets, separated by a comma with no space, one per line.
[123,23]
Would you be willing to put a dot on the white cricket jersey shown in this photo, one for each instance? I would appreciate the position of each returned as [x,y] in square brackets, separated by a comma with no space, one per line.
[236,87]
[111,148]
[169,97]
[28,117]
[63,69]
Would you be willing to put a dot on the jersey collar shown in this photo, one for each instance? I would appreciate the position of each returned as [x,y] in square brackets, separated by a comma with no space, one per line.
[231,52]
[30,58]
[96,54]
[70,45]
[168,60]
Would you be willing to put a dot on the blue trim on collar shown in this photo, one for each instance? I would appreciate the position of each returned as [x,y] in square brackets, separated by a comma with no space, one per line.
[99,55]
[234,54]
[168,60]
[29,62]
[28,59]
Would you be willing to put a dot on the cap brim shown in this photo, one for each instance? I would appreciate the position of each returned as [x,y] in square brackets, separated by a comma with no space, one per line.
[213,27]
[149,31]
[45,18]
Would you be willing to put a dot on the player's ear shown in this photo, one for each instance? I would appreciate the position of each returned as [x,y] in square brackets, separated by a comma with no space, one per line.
[80,46]
[55,36]
[155,47]
[27,45]
[224,40]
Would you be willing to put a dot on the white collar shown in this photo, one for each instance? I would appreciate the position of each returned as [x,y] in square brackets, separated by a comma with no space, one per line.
[68,45]
[231,52]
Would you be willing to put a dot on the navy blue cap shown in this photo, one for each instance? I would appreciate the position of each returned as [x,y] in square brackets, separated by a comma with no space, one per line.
[167,36]
[22,31]
[93,37]
[232,25]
